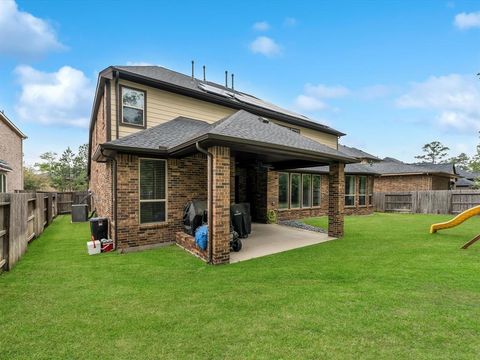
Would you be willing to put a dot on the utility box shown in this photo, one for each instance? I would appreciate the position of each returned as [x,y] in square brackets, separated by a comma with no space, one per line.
[99,228]
[80,213]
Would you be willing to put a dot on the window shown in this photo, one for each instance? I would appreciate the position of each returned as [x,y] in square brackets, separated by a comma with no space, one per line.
[370,191]
[133,107]
[3,183]
[152,190]
[295,190]
[349,190]
[362,190]
[307,190]
[316,190]
[283,191]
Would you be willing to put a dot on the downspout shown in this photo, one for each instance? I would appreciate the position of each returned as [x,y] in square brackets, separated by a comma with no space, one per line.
[114,180]
[209,200]
[117,103]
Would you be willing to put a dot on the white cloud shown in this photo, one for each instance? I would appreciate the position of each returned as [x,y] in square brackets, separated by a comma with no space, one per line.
[309,103]
[290,22]
[313,96]
[63,97]
[467,20]
[261,26]
[454,98]
[326,92]
[22,33]
[265,46]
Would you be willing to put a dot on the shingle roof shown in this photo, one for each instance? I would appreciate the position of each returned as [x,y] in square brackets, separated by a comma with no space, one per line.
[357,153]
[360,169]
[467,174]
[242,126]
[4,166]
[462,182]
[448,168]
[397,167]
[163,75]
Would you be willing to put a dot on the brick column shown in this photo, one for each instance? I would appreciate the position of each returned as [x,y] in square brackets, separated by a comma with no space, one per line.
[336,199]
[272,191]
[220,238]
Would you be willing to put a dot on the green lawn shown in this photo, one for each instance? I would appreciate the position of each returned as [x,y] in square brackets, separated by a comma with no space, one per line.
[387,290]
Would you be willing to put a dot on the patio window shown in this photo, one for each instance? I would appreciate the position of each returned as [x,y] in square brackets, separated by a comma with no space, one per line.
[349,190]
[316,190]
[133,107]
[362,190]
[3,183]
[295,190]
[307,190]
[283,190]
[370,191]
[153,190]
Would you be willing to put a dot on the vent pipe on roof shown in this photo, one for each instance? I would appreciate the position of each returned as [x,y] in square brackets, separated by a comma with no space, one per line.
[204,73]
[193,69]
[226,78]
[233,82]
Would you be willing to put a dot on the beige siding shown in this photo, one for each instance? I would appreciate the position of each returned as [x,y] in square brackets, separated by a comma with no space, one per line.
[163,106]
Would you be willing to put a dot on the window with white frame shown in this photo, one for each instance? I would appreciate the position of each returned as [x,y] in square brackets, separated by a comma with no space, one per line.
[153,190]
[3,183]
[133,107]
[362,190]
[349,190]
[283,185]
[370,191]
[297,191]
[316,190]
[306,190]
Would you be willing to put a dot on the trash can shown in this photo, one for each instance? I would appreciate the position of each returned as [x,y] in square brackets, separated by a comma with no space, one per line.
[99,228]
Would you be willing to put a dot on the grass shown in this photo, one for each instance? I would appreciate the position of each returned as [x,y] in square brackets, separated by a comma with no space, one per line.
[387,290]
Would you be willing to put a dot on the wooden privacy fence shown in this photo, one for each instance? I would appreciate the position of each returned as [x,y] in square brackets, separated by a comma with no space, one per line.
[23,217]
[67,199]
[427,202]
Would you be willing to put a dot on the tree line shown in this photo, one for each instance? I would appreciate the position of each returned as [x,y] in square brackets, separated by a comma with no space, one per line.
[437,153]
[65,172]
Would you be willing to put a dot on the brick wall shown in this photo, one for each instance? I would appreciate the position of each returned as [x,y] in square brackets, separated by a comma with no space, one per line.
[101,174]
[403,183]
[221,192]
[11,151]
[186,180]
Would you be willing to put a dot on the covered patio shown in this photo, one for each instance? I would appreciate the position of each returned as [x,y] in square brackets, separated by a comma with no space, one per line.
[267,239]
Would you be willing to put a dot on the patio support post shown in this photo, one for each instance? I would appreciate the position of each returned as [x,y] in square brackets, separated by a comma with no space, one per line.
[336,199]
[220,237]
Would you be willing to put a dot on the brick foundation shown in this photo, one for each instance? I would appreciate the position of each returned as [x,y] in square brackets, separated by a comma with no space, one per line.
[187,242]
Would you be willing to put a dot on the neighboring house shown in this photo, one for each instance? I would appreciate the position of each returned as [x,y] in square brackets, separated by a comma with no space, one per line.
[159,139]
[467,180]
[398,176]
[11,155]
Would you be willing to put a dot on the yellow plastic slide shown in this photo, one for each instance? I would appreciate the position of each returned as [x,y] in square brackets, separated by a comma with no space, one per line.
[457,220]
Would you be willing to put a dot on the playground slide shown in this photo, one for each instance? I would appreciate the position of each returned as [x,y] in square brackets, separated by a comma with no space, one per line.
[457,220]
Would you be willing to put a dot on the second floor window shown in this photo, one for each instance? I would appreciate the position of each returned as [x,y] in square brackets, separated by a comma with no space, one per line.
[133,107]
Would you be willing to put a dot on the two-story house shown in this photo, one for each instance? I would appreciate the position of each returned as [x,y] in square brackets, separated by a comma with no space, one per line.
[159,138]
[11,155]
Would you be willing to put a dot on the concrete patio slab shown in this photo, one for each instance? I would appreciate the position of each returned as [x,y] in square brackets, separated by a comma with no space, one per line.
[267,239]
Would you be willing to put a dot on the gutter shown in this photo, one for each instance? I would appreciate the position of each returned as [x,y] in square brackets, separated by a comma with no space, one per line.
[210,200]
[114,193]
